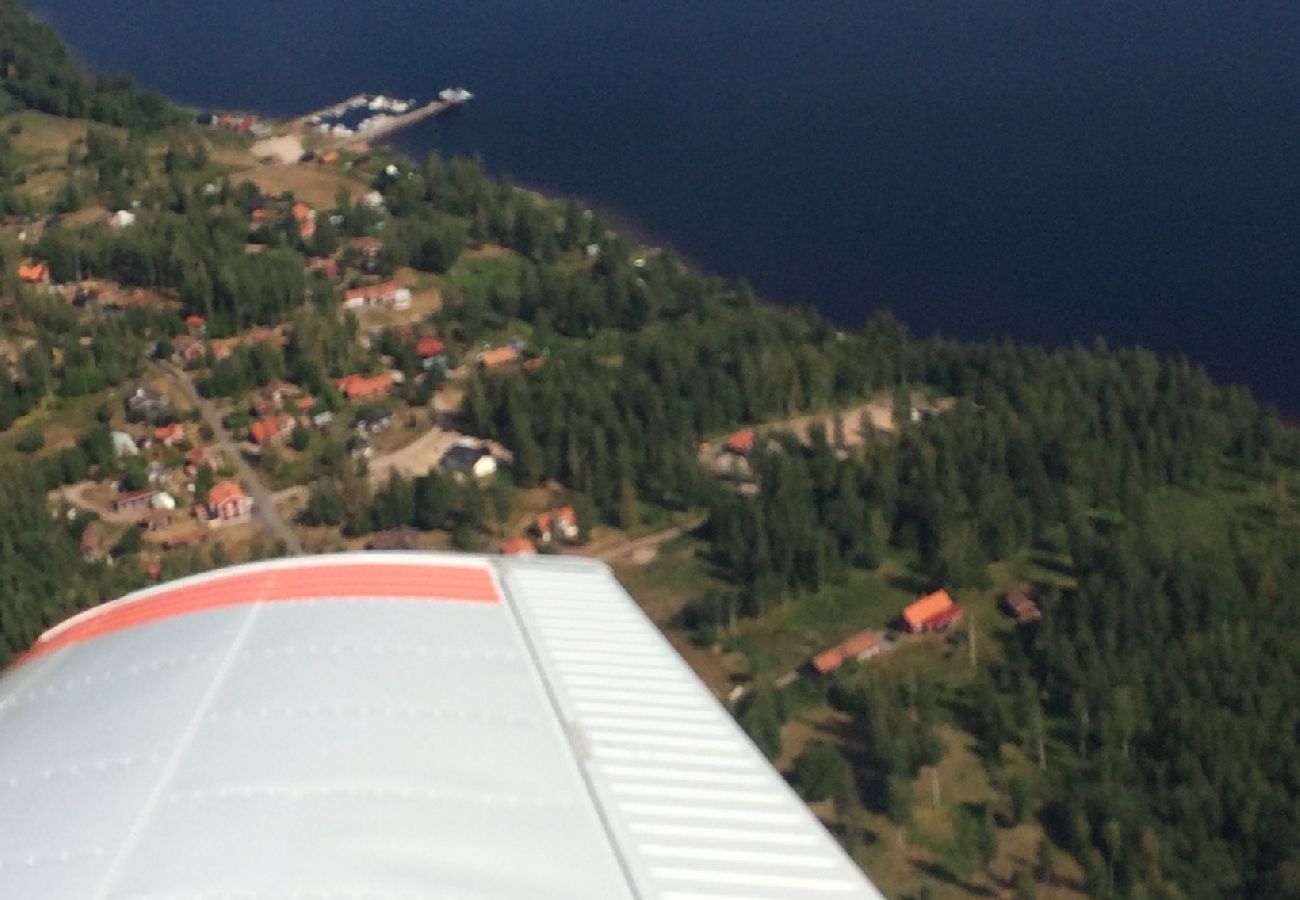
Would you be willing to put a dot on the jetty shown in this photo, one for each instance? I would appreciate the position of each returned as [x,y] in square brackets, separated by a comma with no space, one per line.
[381,116]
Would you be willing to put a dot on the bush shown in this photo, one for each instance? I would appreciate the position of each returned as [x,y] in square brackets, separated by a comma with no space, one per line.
[30,441]
[819,770]
[131,541]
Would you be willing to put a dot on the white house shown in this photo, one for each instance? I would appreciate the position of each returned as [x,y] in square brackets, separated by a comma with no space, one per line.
[124,444]
[466,459]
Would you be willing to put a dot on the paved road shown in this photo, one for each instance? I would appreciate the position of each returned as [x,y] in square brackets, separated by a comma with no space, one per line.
[263,500]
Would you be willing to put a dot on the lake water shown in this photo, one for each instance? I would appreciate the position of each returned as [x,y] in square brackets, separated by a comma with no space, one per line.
[1042,169]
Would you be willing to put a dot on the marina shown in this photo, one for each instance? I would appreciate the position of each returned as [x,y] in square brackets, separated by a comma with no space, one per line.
[369,117]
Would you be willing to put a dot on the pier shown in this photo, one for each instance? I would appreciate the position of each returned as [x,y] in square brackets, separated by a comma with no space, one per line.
[382,123]
[382,127]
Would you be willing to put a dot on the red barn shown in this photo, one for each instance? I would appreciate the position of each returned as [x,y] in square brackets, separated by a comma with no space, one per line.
[741,443]
[933,612]
[862,645]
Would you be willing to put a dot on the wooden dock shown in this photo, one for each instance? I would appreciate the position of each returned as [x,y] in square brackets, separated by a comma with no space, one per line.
[379,129]
[387,126]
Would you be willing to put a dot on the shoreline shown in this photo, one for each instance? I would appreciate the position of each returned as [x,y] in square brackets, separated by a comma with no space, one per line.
[626,226]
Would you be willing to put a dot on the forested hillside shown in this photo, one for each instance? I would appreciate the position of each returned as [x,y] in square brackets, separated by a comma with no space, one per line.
[37,72]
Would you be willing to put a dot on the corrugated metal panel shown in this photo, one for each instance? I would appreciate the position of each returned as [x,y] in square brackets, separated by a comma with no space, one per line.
[351,748]
[551,747]
[697,812]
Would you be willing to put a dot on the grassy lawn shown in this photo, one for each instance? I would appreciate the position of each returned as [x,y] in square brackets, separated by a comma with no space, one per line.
[62,421]
[310,183]
[478,273]
[788,635]
[44,137]
[680,573]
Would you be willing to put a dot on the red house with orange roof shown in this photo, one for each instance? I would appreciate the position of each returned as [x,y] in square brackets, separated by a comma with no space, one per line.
[34,272]
[228,502]
[498,357]
[267,429]
[222,349]
[741,443]
[862,645]
[368,247]
[326,266]
[557,524]
[169,435]
[365,387]
[429,347]
[933,612]
[208,456]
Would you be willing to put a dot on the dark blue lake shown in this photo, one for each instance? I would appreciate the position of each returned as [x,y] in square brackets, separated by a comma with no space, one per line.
[1043,169]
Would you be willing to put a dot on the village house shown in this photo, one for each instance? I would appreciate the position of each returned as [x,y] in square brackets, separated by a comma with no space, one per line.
[429,348]
[373,420]
[123,444]
[227,502]
[267,429]
[277,392]
[34,272]
[169,435]
[141,500]
[1020,607]
[741,443]
[518,546]
[196,325]
[188,350]
[93,541]
[121,219]
[388,294]
[364,387]
[557,524]
[222,349]
[241,124]
[863,645]
[933,612]
[497,357]
[208,456]
[466,459]
[325,266]
[368,247]
[144,402]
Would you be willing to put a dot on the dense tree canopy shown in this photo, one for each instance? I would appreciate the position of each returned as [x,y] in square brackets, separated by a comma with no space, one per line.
[39,73]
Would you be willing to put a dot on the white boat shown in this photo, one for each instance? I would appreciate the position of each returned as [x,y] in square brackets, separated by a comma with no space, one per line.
[454,95]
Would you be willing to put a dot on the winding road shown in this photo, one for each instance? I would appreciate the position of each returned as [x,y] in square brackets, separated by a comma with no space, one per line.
[651,542]
[264,506]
